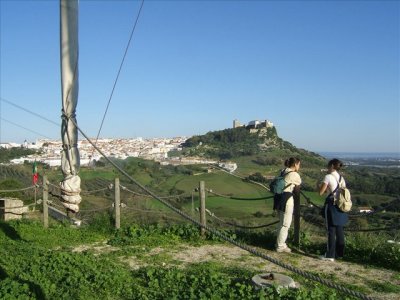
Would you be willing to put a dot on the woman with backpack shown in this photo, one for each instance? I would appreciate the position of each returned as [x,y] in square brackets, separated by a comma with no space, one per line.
[286,202]
[335,219]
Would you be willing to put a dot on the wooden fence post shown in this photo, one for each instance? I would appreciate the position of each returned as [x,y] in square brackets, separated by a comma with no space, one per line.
[296,215]
[202,197]
[192,204]
[45,206]
[117,204]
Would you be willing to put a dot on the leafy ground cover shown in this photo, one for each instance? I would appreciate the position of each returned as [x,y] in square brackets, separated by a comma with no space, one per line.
[169,262]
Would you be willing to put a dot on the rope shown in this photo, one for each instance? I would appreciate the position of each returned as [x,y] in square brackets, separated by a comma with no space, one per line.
[84,192]
[53,185]
[51,204]
[145,195]
[241,177]
[19,190]
[94,191]
[312,220]
[211,214]
[96,209]
[146,210]
[309,200]
[374,229]
[238,198]
[54,195]
[354,214]
[167,216]
[15,207]
[367,214]
[241,226]
[308,275]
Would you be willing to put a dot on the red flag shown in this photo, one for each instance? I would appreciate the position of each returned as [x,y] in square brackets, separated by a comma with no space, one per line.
[35,174]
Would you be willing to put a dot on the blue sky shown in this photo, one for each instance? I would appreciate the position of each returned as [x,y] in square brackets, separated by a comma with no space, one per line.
[326,73]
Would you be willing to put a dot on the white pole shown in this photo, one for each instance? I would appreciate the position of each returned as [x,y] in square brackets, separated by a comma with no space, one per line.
[70,160]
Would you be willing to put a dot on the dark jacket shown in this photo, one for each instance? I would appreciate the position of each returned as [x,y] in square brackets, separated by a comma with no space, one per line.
[280,200]
[334,216]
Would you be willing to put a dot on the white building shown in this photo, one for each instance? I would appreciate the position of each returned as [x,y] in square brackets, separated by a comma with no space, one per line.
[230,167]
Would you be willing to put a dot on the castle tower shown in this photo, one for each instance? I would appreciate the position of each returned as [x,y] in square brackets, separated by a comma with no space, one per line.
[236,124]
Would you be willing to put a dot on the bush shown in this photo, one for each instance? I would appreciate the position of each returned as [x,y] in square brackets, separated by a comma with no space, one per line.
[373,249]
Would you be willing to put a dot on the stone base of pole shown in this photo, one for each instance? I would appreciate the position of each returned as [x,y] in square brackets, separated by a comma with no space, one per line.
[267,280]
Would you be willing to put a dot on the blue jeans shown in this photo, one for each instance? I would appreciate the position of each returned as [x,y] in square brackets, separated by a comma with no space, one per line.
[335,246]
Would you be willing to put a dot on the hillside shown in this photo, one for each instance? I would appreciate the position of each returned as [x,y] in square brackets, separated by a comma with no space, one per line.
[236,142]
[256,152]
[261,152]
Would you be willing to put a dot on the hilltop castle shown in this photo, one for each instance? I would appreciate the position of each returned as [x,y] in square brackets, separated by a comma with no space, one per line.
[254,124]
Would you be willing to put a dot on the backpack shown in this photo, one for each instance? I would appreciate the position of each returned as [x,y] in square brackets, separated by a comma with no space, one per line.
[277,185]
[343,200]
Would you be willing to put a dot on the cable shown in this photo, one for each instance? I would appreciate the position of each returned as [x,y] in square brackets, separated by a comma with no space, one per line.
[28,111]
[20,126]
[118,73]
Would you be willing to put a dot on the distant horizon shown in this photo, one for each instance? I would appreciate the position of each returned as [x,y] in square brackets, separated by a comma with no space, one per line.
[358,154]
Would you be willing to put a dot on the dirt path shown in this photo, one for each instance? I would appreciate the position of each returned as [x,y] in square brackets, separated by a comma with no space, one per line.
[371,279]
[355,274]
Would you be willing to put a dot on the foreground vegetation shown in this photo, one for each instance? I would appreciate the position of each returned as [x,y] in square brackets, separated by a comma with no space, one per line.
[58,263]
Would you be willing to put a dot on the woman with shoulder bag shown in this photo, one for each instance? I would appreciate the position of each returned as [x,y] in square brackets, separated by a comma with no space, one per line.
[335,219]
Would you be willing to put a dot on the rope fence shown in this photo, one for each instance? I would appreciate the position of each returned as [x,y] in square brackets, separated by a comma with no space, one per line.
[217,233]
[19,190]
[238,198]
[146,195]
[213,231]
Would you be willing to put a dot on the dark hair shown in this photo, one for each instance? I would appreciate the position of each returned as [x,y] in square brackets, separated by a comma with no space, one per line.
[290,162]
[335,164]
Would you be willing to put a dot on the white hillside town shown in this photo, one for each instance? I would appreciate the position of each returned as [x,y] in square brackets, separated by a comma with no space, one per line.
[152,149]
[147,148]
[155,149]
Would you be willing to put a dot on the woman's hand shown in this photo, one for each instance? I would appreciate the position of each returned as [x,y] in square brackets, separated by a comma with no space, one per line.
[322,188]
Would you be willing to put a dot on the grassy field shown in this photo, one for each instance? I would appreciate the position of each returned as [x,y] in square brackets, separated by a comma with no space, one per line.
[183,182]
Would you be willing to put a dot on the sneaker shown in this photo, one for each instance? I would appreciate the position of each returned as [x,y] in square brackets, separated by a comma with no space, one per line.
[286,250]
[323,257]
